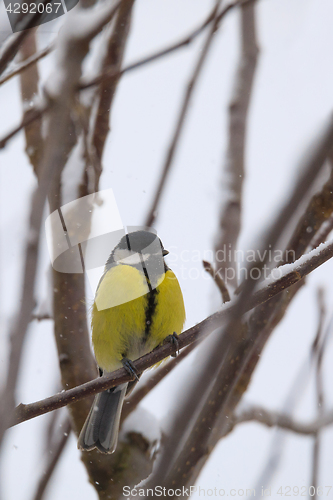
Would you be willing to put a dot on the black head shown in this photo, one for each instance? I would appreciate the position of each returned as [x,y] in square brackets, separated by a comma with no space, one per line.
[136,247]
[140,241]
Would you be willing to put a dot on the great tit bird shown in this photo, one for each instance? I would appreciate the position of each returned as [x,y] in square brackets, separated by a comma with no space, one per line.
[138,304]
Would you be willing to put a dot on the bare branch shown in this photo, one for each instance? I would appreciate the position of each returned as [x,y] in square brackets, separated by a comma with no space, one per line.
[41,317]
[318,351]
[54,457]
[233,356]
[27,299]
[234,170]
[36,112]
[13,44]
[29,91]
[11,49]
[318,211]
[300,269]
[293,397]
[106,91]
[112,73]
[152,213]
[27,63]
[273,419]
[63,89]
[264,319]
[323,232]
[314,163]
[209,268]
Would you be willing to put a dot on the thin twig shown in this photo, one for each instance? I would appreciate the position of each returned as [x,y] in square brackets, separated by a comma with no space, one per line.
[27,299]
[234,168]
[198,332]
[323,232]
[41,317]
[50,431]
[318,351]
[11,48]
[27,63]
[55,455]
[111,73]
[36,113]
[314,163]
[29,81]
[274,419]
[152,213]
[13,44]
[29,117]
[39,109]
[315,217]
[209,268]
[107,88]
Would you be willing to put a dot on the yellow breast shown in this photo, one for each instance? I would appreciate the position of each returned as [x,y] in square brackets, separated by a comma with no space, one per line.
[169,315]
[121,330]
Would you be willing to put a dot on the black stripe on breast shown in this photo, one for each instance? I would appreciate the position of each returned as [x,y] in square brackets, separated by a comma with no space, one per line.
[150,310]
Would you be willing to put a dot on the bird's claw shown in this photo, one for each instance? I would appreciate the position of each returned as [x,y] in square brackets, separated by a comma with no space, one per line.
[173,339]
[130,368]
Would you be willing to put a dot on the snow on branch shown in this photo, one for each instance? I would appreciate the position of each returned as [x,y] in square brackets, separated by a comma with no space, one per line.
[289,274]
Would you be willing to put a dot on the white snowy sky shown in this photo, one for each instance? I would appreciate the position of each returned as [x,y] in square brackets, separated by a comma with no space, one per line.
[292,98]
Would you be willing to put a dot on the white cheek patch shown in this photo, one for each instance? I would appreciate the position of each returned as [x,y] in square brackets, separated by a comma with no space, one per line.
[129,258]
[134,259]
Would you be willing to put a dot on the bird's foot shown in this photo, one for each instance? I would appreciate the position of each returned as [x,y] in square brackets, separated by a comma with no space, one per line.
[173,339]
[130,368]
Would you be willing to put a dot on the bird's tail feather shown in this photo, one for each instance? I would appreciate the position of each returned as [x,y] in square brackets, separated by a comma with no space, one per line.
[101,427]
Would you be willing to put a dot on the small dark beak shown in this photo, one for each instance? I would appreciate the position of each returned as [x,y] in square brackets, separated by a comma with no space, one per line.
[165,252]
